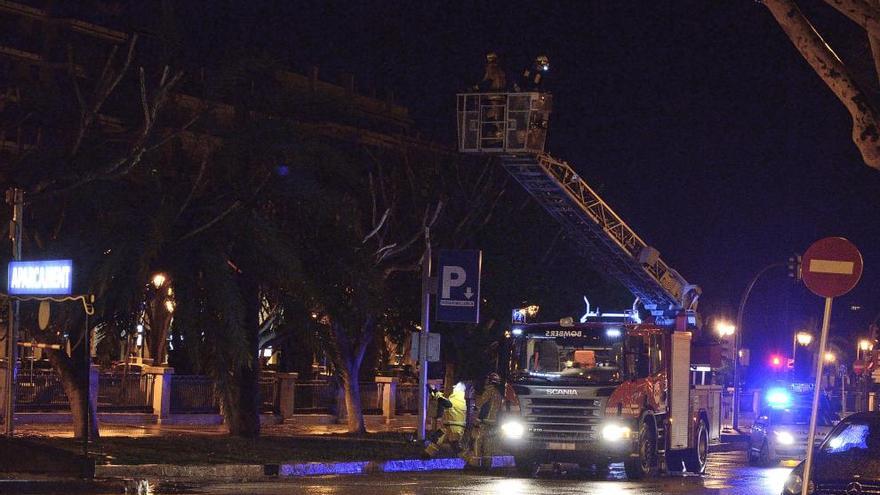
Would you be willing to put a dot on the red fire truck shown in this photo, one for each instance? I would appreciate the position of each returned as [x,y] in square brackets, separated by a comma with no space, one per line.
[612,387]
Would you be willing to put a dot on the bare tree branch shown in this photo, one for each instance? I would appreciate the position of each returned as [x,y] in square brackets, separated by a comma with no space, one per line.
[861,12]
[197,183]
[826,63]
[234,206]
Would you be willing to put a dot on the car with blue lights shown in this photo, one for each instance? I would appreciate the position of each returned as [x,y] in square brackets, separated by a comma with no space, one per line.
[847,462]
[781,431]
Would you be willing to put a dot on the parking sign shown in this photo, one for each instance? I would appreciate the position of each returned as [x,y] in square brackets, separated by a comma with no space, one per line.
[458,294]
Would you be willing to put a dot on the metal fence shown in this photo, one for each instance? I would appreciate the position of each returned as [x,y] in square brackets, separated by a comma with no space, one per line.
[193,394]
[407,398]
[371,397]
[269,394]
[40,390]
[316,396]
[132,392]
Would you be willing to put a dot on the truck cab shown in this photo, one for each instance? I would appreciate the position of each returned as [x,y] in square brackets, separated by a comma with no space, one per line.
[599,392]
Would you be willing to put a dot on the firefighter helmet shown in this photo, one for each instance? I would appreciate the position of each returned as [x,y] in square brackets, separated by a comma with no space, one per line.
[542,62]
[491,57]
[493,378]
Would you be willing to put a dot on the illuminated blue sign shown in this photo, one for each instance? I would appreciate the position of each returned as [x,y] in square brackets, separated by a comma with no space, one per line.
[42,278]
[458,299]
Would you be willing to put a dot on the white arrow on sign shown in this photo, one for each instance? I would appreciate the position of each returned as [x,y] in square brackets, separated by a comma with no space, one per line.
[468,293]
[453,276]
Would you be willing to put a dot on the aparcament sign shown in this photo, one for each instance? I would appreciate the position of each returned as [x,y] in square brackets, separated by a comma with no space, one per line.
[40,278]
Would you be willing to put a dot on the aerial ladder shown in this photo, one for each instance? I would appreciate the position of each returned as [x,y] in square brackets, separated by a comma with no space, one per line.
[663,431]
[513,126]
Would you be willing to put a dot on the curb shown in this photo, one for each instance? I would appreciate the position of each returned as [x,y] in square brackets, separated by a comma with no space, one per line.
[60,486]
[727,447]
[211,471]
[292,470]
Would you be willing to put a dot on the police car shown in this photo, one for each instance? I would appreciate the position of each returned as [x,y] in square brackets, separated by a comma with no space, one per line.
[781,431]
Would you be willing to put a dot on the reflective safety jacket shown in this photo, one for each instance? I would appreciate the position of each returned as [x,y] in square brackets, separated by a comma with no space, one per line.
[454,415]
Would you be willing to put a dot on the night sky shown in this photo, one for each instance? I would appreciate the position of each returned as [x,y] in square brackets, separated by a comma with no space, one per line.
[697,121]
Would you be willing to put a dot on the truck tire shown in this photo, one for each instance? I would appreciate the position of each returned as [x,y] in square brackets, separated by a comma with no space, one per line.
[645,465]
[526,466]
[696,459]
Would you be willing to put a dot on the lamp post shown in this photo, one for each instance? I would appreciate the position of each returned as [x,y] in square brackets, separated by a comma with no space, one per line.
[864,346]
[802,338]
[737,341]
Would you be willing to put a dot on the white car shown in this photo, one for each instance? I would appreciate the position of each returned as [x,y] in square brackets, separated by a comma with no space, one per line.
[781,433]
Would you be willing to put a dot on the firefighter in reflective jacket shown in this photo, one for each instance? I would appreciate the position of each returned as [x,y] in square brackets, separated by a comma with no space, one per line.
[487,405]
[453,420]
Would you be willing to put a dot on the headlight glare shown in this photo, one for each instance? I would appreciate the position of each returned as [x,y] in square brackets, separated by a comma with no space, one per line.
[615,433]
[513,429]
[793,483]
[784,437]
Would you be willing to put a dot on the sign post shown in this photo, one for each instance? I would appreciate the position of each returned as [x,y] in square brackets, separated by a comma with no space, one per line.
[15,198]
[831,267]
[423,337]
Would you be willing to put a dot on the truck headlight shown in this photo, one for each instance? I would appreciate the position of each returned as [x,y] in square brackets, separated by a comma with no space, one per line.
[615,433]
[784,437]
[513,429]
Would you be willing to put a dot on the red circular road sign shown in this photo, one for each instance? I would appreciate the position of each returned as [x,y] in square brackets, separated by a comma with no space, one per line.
[831,267]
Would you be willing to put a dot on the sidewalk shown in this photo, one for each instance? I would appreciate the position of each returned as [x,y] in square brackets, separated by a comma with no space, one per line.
[290,428]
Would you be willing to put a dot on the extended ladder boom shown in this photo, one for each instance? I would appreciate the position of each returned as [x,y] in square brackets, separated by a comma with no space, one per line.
[601,233]
[513,126]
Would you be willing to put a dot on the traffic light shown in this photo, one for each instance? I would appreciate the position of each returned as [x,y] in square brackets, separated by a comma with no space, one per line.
[776,362]
[794,267]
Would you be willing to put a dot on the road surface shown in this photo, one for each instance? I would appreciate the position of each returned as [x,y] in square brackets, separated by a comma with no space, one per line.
[727,474]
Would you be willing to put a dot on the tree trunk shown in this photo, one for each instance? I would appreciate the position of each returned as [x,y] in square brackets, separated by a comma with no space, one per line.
[74,381]
[354,413]
[241,403]
[241,407]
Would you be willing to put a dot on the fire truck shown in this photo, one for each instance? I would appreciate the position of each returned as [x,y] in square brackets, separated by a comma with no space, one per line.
[610,387]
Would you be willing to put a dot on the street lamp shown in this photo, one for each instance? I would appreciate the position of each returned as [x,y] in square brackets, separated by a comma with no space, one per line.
[737,341]
[158,279]
[724,328]
[864,346]
[802,338]
[830,357]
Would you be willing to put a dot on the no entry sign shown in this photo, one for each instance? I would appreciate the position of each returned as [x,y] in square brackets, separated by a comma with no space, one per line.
[831,267]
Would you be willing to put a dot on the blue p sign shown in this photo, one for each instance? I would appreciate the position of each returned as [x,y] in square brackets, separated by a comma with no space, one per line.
[458,298]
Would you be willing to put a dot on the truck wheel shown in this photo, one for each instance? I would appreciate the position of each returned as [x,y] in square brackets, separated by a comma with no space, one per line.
[645,465]
[526,466]
[696,459]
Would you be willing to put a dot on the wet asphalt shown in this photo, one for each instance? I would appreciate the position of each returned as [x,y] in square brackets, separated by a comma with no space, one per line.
[728,473]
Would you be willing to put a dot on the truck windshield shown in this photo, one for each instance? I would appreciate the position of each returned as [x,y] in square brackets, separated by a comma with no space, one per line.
[572,360]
